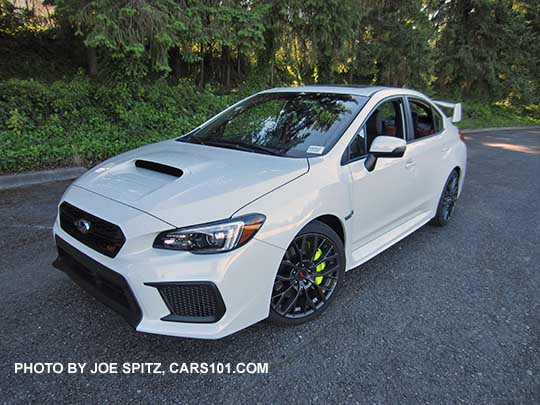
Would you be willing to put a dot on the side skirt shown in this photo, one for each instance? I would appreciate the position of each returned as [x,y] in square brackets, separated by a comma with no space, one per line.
[383,242]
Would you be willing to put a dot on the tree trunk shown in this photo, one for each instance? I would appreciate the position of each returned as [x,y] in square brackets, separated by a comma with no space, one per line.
[268,53]
[228,78]
[201,76]
[325,73]
[91,59]
[174,62]
[226,66]
[352,64]
[325,69]
[239,65]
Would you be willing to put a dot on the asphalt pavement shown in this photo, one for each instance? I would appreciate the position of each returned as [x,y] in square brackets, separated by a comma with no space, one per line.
[447,315]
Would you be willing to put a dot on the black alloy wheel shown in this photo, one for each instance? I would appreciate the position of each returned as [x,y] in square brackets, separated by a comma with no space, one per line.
[309,275]
[448,200]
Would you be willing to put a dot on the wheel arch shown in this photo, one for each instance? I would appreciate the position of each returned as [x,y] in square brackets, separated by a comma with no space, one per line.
[333,222]
[459,171]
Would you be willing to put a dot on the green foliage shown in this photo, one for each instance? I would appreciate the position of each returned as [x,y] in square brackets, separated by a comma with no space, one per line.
[10,21]
[137,32]
[17,122]
[317,36]
[484,51]
[80,121]
[140,33]
[478,114]
[397,49]
[14,20]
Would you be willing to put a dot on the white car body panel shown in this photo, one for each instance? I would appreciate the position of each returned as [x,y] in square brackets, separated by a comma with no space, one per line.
[215,183]
[375,210]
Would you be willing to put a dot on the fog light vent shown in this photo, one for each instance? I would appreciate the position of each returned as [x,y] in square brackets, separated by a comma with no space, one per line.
[194,302]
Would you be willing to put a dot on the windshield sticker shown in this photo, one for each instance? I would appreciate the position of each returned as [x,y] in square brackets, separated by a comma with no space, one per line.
[317,150]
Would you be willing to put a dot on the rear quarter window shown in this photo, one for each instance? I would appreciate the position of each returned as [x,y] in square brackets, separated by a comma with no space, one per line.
[438,121]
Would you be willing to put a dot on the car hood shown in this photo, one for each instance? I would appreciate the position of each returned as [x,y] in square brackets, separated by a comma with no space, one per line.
[187,184]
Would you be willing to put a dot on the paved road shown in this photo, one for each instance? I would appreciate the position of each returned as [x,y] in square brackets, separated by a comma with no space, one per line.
[446,315]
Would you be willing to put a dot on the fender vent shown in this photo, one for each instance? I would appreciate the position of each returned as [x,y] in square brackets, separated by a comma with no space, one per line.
[158,167]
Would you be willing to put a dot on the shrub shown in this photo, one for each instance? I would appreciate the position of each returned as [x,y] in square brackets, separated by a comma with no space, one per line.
[80,121]
[478,114]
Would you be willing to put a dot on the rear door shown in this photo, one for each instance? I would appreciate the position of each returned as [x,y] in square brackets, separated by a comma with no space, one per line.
[426,147]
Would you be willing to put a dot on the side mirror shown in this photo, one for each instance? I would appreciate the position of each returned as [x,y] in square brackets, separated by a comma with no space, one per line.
[384,147]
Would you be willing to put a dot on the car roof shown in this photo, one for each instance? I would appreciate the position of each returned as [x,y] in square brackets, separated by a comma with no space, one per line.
[358,90]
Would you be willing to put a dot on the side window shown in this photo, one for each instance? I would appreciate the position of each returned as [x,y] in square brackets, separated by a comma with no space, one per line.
[422,119]
[386,120]
[439,123]
[357,148]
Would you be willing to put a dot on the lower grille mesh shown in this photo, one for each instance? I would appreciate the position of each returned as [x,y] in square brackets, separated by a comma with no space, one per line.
[192,302]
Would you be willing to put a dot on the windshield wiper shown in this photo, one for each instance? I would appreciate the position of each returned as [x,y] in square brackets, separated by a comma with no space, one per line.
[246,147]
[224,143]
[192,139]
[259,148]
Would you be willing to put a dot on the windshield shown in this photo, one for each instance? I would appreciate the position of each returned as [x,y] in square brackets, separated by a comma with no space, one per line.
[285,124]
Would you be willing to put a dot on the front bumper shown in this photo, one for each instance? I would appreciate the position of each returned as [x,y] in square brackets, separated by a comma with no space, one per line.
[106,285]
[242,278]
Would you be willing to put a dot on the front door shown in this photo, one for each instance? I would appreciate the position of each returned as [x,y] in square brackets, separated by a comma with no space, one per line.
[380,197]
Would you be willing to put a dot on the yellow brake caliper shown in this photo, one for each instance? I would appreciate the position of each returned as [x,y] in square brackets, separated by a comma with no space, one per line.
[320,267]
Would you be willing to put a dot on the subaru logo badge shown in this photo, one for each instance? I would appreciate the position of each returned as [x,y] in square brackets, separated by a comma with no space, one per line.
[83,225]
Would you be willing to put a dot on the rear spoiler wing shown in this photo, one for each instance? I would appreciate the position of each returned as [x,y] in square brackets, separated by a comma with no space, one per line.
[456,107]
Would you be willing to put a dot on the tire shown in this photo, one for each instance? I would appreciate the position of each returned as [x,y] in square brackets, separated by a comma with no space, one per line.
[447,202]
[309,276]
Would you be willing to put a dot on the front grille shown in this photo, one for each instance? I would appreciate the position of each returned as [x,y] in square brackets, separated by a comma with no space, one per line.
[103,283]
[195,302]
[102,236]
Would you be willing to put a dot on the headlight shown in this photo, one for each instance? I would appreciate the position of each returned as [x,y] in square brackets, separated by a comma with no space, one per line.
[214,237]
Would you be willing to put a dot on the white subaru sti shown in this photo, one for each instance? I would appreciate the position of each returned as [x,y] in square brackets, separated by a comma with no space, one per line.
[258,212]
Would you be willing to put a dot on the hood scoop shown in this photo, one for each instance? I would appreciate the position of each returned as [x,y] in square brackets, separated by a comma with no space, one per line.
[159,167]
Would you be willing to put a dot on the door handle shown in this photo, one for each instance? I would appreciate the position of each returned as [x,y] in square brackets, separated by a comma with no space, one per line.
[445,148]
[409,163]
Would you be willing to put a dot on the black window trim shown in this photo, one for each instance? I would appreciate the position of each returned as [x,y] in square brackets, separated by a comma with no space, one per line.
[345,160]
[434,110]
